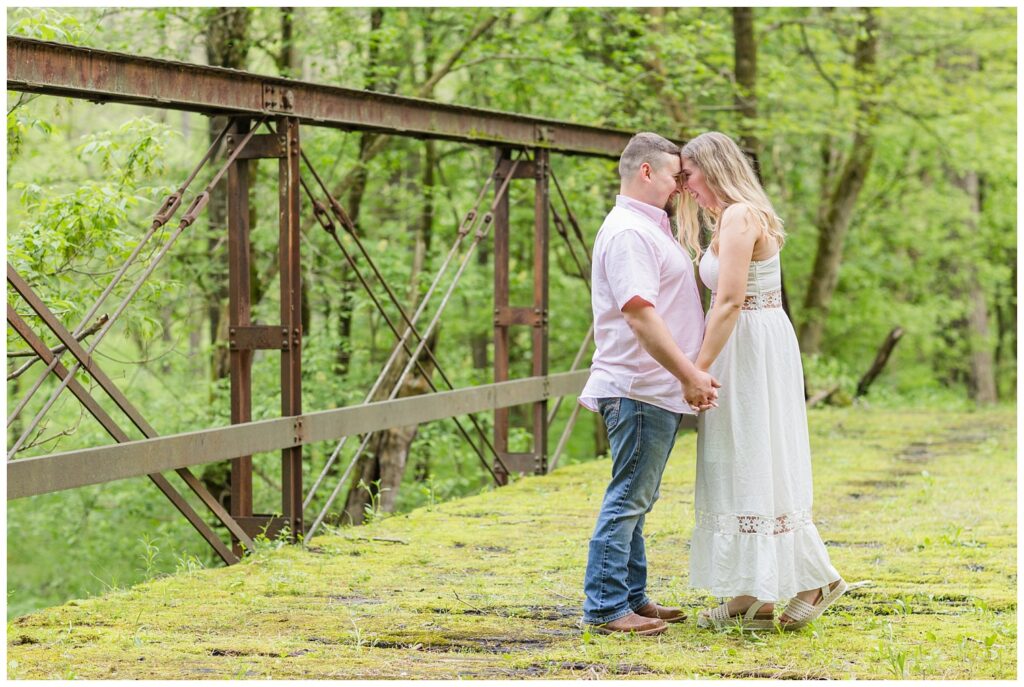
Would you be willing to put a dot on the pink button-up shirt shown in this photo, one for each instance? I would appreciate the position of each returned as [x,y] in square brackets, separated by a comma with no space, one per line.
[635,254]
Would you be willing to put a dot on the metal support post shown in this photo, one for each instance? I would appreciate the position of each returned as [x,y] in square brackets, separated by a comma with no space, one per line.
[535,316]
[239,314]
[501,296]
[291,321]
[540,305]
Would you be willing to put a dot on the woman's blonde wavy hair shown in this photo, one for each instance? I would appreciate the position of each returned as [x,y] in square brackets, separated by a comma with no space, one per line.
[730,176]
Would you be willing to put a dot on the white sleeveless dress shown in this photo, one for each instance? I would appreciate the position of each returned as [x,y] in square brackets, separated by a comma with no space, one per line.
[754,534]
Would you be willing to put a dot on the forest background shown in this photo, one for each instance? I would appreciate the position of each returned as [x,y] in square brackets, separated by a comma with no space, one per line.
[886,138]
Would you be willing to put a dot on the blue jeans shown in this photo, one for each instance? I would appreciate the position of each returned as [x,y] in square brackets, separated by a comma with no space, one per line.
[641,437]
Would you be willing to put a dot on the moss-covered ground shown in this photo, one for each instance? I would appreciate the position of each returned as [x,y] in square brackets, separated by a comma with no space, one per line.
[918,509]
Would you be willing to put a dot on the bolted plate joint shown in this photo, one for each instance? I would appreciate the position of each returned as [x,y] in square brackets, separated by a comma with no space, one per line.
[544,134]
[260,146]
[278,98]
[522,463]
[258,337]
[506,315]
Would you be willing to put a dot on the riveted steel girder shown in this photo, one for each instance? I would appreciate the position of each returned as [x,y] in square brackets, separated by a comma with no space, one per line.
[102,76]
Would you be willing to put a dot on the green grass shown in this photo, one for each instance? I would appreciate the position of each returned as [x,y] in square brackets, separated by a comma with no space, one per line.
[918,508]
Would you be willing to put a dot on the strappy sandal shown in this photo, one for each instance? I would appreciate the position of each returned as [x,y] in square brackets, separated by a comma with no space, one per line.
[800,612]
[719,618]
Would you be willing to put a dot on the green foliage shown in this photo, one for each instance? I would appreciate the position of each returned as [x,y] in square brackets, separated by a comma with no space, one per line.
[372,509]
[91,540]
[18,126]
[822,373]
[45,24]
[70,227]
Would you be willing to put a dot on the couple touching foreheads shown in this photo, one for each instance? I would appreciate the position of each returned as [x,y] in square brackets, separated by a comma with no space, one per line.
[658,358]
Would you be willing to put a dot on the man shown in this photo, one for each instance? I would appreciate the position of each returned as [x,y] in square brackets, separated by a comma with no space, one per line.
[648,326]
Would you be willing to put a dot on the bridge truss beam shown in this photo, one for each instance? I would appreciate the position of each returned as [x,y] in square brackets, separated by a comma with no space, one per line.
[101,76]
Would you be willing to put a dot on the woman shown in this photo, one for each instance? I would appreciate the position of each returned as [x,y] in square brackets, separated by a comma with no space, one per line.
[754,539]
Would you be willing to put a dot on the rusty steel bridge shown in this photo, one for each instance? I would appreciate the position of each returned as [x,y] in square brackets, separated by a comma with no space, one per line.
[265,118]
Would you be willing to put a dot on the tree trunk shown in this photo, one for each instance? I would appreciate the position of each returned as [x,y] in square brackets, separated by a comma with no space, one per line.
[383,457]
[745,68]
[356,183]
[982,371]
[881,358]
[1006,323]
[423,232]
[287,60]
[380,469]
[982,378]
[838,212]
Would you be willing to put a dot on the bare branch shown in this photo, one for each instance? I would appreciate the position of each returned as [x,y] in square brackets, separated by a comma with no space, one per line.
[479,30]
[59,349]
[39,440]
[23,99]
[807,50]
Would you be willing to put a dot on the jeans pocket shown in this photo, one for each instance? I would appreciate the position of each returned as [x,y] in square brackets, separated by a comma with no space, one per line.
[609,409]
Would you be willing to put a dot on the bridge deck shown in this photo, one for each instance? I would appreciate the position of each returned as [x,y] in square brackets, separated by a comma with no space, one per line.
[463,589]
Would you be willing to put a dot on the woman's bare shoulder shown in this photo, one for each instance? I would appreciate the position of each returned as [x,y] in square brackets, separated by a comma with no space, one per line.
[738,217]
[738,211]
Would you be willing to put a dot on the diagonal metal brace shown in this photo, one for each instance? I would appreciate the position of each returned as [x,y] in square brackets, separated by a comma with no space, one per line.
[97,411]
[51,321]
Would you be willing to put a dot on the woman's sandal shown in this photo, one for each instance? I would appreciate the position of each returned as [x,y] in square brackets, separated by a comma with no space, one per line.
[800,612]
[719,618]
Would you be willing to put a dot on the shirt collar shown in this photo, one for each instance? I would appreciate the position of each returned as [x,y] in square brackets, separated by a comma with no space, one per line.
[656,215]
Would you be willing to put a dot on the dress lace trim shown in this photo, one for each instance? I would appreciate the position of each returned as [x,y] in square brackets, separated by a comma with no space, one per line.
[743,523]
[759,301]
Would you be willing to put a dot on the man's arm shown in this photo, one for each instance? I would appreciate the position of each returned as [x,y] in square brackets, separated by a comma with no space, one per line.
[654,336]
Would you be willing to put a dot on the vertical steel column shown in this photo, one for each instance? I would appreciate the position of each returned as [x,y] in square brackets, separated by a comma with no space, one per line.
[239,315]
[501,304]
[540,304]
[534,316]
[291,322]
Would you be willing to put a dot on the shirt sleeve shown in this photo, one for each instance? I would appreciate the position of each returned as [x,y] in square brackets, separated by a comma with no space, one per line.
[632,268]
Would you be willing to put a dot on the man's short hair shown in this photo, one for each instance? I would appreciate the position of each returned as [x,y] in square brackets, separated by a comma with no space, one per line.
[644,147]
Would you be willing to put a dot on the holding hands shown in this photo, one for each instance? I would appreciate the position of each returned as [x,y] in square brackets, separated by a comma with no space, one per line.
[700,390]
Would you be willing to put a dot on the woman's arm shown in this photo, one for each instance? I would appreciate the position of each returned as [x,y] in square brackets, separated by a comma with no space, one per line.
[736,238]
[655,338]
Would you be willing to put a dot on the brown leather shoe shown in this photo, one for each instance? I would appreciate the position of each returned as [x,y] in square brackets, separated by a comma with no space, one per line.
[632,623]
[666,613]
